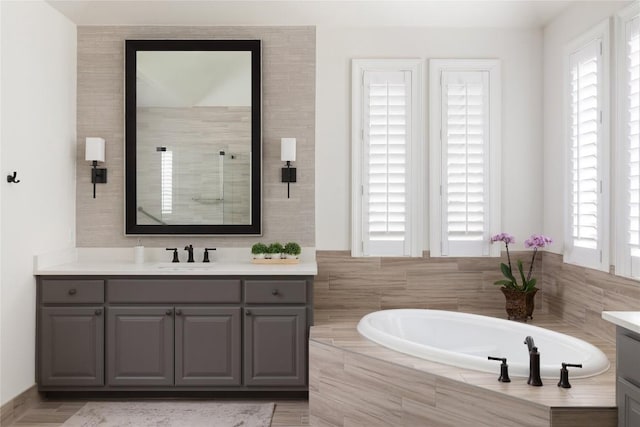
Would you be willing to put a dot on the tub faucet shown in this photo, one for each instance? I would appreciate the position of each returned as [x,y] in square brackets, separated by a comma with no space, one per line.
[534,363]
[529,342]
[190,250]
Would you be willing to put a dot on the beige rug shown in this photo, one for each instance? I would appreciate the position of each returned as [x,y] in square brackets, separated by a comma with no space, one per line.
[172,414]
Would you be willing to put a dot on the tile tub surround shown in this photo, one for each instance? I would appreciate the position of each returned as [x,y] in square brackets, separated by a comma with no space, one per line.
[353,381]
[288,110]
[345,285]
[579,295]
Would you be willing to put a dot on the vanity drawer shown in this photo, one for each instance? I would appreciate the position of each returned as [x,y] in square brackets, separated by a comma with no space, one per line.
[173,291]
[72,291]
[275,291]
[628,352]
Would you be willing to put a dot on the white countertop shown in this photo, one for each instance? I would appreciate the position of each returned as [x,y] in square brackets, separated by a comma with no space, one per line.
[627,319]
[119,261]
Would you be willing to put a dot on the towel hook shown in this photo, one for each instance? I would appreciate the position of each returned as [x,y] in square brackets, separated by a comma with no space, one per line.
[12,178]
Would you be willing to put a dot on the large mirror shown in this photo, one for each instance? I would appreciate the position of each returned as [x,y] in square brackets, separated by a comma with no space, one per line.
[193,143]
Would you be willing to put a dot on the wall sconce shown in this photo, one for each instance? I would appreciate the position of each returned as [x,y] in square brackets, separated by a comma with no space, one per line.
[94,152]
[288,154]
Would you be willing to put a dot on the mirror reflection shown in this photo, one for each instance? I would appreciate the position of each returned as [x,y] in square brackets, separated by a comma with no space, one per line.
[195,141]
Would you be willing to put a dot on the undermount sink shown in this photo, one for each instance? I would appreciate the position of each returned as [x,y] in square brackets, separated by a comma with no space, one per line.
[185,266]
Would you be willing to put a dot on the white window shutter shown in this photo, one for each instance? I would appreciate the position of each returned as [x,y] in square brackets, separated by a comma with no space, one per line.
[584,135]
[630,115]
[387,144]
[166,182]
[587,138]
[465,163]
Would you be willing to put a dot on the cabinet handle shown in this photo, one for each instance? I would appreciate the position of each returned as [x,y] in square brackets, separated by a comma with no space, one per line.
[169,312]
[248,312]
[178,312]
[72,291]
[275,292]
[98,312]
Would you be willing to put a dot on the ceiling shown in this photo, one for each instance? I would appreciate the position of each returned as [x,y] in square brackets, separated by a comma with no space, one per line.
[349,13]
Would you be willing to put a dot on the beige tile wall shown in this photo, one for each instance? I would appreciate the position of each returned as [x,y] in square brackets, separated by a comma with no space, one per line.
[347,286]
[579,295]
[288,110]
[204,191]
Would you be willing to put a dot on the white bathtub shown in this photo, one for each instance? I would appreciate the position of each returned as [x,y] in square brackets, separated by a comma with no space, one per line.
[465,340]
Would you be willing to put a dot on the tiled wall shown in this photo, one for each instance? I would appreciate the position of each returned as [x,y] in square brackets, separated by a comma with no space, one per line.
[288,110]
[346,287]
[206,187]
[579,295]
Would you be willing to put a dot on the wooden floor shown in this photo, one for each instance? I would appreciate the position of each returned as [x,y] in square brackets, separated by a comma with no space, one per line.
[51,413]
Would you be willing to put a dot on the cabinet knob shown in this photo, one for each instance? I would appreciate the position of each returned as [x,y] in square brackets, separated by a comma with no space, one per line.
[275,292]
[178,312]
[72,291]
[248,312]
[169,312]
[98,312]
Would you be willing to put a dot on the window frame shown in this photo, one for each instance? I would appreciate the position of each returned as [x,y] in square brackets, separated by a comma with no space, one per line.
[436,67]
[415,165]
[582,256]
[622,249]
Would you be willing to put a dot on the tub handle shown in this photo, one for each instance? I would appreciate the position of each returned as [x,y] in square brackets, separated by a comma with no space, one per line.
[564,374]
[504,369]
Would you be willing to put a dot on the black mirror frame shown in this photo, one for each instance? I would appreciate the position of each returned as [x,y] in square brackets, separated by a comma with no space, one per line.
[131,49]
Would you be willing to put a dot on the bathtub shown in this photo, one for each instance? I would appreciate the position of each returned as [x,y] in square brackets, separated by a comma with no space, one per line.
[465,340]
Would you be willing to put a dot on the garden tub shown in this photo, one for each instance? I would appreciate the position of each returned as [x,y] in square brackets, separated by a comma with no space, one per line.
[465,340]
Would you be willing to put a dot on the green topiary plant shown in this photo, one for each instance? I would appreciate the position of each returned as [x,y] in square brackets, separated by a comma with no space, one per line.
[275,249]
[259,248]
[292,248]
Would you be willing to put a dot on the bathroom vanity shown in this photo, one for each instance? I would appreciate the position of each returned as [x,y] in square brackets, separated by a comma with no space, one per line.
[186,328]
[628,371]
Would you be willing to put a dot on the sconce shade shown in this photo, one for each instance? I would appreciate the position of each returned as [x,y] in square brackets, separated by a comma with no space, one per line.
[288,149]
[94,149]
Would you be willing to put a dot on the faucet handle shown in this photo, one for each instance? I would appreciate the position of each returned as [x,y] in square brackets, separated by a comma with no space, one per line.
[564,374]
[504,369]
[206,254]
[175,254]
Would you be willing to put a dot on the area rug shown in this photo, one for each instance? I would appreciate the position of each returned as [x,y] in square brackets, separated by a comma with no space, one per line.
[172,414]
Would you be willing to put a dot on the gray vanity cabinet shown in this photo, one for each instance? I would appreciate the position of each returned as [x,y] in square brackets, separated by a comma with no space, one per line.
[628,381]
[275,342]
[207,346]
[140,346]
[173,333]
[72,343]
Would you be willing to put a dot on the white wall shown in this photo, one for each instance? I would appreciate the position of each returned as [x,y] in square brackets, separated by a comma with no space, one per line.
[38,80]
[569,25]
[521,54]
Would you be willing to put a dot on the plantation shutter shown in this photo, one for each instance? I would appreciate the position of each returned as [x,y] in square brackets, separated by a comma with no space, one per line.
[465,163]
[166,182]
[584,137]
[631,119]
[387,136]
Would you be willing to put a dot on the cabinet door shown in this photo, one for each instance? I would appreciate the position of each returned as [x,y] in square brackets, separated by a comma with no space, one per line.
[72,346]
[207,343]
[275,345]
[140,346]
[628,396]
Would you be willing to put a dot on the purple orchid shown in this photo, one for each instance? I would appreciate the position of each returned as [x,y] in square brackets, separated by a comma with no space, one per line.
[503,237]
[535,241]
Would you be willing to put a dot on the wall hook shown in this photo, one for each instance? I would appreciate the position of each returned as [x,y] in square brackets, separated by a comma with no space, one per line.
[12,178]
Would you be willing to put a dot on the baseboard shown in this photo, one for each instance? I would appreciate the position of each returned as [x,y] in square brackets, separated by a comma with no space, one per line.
[13,409]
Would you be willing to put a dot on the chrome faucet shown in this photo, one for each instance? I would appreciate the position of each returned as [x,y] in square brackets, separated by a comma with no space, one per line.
[534,363]
[190,250]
